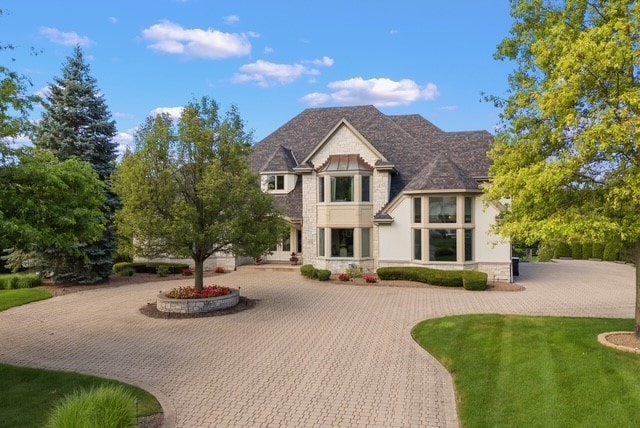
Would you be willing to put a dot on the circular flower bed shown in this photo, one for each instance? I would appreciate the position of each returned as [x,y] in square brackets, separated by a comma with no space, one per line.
[193,293]
[188,300]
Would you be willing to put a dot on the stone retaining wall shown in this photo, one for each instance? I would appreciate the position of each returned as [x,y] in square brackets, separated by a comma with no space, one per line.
[194,306]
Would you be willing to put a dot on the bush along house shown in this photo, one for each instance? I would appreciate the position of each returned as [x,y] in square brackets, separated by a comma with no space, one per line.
[359,187]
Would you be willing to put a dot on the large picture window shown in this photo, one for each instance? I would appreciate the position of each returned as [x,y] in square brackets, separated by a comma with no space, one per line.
[342,189]
[443,245]
[341,242]
[442,209]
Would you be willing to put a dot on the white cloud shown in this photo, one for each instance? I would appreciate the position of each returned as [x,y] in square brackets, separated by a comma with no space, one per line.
[113,19]
[382,92]
[265,73]
[66,39]
[171,38]
[449,108]
[325,61]
[231,19]
[17,141]
[121,115]
[174,112]
[393,32]
[125,141]
[268,50]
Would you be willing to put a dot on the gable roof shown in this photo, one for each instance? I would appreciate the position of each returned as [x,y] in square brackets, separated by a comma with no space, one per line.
[409,142]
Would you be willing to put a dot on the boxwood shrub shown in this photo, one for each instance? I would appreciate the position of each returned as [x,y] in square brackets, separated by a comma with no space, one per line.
[474,280]
[309,271]
[323,274]
[150,267]
[445,278]
[19,280]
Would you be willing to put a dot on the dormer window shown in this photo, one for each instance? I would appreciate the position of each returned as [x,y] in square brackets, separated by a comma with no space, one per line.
[275,182]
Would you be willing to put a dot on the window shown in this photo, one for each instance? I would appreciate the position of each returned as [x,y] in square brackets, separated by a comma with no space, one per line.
[365,242]
[417,244]
[341,242]
[468,209]
[321,189]
[321,242]
[341,189]
[468,245]
[366,188]
[275,182]
[443,245]
[442,209]
[417,210]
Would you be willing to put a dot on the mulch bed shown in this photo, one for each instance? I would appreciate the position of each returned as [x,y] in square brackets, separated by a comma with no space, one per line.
[152,311]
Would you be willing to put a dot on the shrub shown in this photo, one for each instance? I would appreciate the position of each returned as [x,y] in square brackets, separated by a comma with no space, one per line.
[597,251]
[545,253]
[128,271]
[355,271]
[309,271]
[220,269]
[14,281]
[576,251]
[102,407]
[323,274]
[151,267]
[344,277]
[446,278]
[187,272]
[611,251]
[562,250]
[162,270]
[474,280]
[370,279]
[587,250]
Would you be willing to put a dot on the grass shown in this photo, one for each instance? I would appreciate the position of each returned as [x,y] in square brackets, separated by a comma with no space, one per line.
[27,395]
[513,371]
[22,296]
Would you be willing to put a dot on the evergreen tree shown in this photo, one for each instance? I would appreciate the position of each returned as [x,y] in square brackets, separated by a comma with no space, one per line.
[77,124]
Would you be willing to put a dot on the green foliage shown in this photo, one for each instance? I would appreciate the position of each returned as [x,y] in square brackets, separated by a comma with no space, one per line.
[576,250]
[562,249]
[474,280]
[14,281]
[109,406]
[587,250]
[597,250]
[188,189]
[309,271]
[11,298]
[127,271]
[33,393]
[445,278]
[162,270]
[355,271]
[76,124]
[545,253]
[611,252]
[565,156]
[150,267]
[514,371]
[323,274]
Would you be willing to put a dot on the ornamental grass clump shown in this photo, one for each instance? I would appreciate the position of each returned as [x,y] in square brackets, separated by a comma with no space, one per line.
[193,293]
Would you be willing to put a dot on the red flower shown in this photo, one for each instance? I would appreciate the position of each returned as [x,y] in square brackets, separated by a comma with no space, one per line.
[344,277]
[370,279]
[192,293]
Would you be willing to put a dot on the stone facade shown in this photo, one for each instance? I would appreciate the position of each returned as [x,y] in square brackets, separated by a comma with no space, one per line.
[197,306]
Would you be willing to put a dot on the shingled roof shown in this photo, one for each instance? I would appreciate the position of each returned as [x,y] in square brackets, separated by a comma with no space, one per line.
[423,155]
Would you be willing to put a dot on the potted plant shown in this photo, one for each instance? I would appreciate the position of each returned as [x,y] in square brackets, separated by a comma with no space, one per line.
[294,258]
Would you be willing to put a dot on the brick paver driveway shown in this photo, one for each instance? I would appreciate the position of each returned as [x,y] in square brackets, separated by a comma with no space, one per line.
[309,353]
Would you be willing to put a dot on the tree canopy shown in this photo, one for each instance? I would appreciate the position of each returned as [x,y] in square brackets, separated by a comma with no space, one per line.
[566,162]
[188,190]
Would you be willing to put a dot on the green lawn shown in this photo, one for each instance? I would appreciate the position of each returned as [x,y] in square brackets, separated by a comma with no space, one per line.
[21,296]
[27,395]
[513,371]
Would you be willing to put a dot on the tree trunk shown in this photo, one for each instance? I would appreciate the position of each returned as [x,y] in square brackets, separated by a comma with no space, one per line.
[637,263]
[198,273]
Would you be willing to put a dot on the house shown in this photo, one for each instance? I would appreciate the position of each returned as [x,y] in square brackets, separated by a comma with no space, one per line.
[361,187]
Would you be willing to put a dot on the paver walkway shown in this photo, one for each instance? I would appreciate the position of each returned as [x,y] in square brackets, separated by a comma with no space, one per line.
[309,354]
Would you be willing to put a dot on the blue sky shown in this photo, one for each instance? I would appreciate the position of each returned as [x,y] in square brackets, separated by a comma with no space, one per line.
[272,59]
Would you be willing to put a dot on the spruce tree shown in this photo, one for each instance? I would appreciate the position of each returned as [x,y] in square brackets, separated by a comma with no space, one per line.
[76,123]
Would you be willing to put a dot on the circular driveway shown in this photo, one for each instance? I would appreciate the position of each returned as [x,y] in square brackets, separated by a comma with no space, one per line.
[309,354]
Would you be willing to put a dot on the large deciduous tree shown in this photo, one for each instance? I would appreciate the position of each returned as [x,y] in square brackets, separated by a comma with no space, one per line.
[567,160]
[77,124]
[187,189]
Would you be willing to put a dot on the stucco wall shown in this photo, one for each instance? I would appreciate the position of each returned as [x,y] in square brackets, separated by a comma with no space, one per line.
[395,239]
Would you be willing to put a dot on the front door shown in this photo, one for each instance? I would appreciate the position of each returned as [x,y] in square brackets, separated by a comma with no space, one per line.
[291,242]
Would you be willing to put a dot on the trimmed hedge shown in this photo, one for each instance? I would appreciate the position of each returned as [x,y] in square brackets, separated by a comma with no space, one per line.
[15,281]
[323,275]
[611,252]
[597,251]
[562,250]
[545,253]
[587,250]
[309,271]
[576,251]
[474,280]
[445,278]
[150,267]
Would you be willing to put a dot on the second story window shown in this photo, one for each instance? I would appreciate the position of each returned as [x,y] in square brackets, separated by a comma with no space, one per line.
[342,189]
[275,182]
